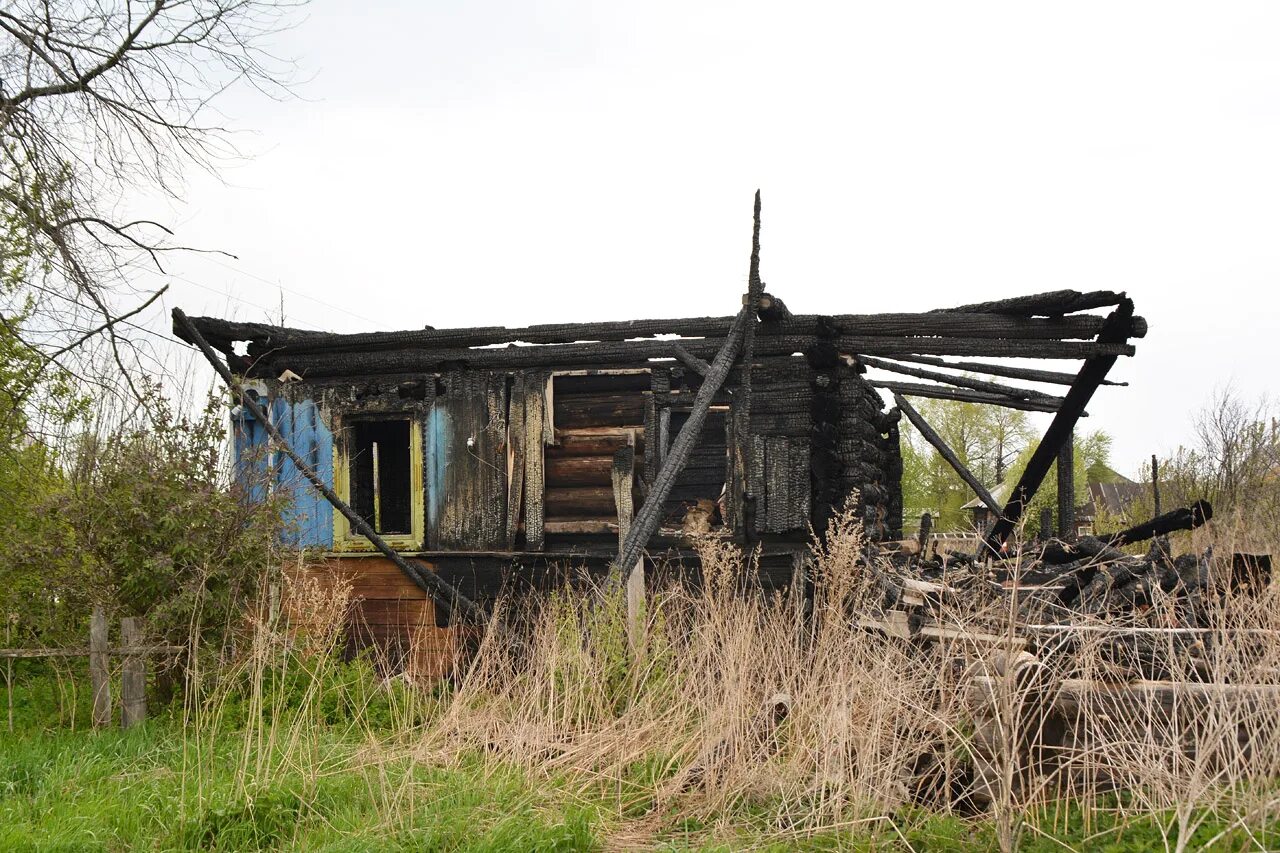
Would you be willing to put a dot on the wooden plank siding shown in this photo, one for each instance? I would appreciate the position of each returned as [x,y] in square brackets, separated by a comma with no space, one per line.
[389,616]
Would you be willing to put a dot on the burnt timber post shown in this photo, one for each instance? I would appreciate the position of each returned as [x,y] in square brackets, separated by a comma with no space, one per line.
[1067,489]
[1046,524]
[1116,330]
[650,514]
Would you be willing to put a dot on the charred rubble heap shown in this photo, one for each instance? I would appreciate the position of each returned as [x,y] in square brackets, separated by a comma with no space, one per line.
[613,441]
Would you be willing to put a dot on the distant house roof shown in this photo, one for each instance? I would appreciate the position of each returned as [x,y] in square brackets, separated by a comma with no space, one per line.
[1000,493]
[1115,497]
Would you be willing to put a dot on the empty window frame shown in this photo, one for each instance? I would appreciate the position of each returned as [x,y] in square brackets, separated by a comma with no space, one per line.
[380,475]
[380,490]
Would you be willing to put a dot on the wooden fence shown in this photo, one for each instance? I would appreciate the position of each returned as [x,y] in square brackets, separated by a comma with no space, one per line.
[133,677]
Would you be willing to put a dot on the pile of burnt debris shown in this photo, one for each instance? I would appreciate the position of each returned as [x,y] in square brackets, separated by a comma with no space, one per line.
[1060,587]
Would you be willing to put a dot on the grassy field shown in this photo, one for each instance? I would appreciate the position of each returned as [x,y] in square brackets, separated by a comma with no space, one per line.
[160,788]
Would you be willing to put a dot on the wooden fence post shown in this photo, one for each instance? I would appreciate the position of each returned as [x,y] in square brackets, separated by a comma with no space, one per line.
[8,670]
[622,475]
[98,668]
[133,681]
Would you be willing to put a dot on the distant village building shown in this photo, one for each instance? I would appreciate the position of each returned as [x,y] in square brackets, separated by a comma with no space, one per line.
[1110,497]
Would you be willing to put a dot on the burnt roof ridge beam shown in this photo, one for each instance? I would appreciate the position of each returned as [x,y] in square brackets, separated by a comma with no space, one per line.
[1091,376]
[931,435]
[312,365]
[1052,303]
[896,324]
[441,592]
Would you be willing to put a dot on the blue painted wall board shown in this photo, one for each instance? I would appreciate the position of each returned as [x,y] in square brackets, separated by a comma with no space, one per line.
[308,517]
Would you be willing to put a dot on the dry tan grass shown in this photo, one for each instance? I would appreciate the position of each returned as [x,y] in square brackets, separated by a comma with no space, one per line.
[739,707]
[874,722]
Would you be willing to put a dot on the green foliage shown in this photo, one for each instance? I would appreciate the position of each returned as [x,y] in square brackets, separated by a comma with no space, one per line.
[165,534]
[986,439]
[1092,453]
[143,522]
[994,444]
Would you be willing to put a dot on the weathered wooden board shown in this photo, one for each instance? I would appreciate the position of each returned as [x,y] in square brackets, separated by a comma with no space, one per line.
[467,463]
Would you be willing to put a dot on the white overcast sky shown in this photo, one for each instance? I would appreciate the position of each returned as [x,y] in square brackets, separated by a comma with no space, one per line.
[478,163]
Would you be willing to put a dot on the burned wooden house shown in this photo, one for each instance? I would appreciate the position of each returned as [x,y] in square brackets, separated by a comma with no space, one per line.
[432,465]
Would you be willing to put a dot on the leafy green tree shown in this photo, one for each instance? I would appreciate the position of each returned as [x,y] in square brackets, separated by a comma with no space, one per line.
[986,439]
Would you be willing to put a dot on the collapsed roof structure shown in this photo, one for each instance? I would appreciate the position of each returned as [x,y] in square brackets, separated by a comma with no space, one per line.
[463,455]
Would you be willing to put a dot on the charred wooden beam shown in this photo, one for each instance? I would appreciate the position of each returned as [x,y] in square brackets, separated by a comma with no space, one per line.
[1185,518]
[266,339]
[640,353]
[650,514]
[1090,377]
[751,302]
[980,347]
[960,381]
[1052,377]
[443,594]
[963,395]
[948,324]
[1050,304]
[216,330]
[690,360]
[931,436]
[1067,489]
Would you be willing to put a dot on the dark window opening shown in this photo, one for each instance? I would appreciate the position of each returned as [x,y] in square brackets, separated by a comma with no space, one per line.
[697,497]
[380,475]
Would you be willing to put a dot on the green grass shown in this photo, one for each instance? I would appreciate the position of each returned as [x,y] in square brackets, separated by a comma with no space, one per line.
[339,772]
[151,789]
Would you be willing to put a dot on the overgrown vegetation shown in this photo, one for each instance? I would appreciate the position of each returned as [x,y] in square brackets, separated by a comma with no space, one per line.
[559,735]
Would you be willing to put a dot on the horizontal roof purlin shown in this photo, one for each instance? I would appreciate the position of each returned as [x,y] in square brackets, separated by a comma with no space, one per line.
[997,329]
